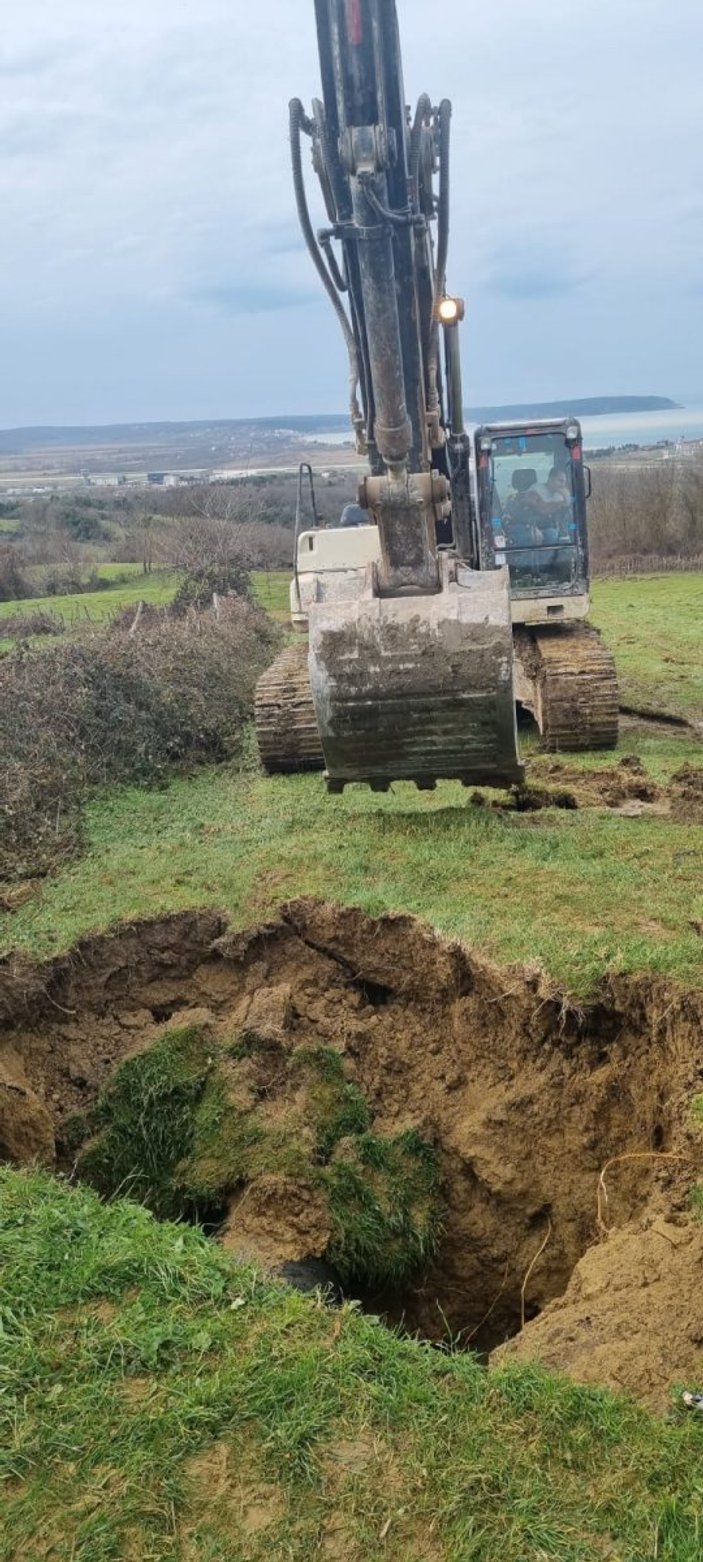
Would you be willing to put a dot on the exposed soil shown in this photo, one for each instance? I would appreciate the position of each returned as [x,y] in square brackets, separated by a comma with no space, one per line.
[610,787]
[687,785]
[526,1097]
[625,787]
[632,1315]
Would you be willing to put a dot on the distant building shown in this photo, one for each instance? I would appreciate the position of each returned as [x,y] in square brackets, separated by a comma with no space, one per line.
[175,479]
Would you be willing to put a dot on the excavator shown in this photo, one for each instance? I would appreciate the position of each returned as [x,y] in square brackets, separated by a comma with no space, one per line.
[461,586]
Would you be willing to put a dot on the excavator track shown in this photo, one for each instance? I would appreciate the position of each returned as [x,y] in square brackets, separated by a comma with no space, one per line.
[566,677]
[284,715]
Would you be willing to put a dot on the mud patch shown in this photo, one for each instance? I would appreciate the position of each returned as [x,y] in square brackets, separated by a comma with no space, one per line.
[625,788]
[523,1096]
[610,787]
[687,791]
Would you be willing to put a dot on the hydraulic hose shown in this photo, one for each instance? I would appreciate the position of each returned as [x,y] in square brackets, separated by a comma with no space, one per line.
[299,121]
[422,114]
[445,115]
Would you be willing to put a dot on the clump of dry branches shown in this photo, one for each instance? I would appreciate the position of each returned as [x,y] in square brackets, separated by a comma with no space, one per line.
[111,706]
[34,621]
[654,511]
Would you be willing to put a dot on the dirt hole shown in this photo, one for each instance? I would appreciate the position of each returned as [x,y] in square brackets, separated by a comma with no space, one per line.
[546,1124]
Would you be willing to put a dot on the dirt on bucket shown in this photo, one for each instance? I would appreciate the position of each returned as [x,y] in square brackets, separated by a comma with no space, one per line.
[564,1136]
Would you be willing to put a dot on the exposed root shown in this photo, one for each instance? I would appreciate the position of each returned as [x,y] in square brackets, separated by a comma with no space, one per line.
[617,1160]
[523,1288]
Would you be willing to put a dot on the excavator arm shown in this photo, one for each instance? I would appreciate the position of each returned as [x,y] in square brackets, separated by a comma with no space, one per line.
[376,176]
[411,657]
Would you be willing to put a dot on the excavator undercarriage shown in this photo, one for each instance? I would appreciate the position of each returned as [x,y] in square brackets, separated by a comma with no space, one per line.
[564,677]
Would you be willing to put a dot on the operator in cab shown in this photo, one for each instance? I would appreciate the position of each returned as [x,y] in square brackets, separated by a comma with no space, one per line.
[546,498]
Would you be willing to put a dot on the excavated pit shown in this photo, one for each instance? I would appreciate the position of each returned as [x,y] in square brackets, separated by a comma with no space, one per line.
[565,1139]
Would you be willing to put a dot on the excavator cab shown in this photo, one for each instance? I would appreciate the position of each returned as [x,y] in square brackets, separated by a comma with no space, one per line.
[532,486]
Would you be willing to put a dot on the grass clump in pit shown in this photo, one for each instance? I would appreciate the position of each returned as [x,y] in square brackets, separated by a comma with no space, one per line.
[145,1122]
[187,1123]
[336,1108]
[384,1197]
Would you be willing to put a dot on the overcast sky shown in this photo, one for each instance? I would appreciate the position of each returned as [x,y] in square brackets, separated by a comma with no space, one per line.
[150,263]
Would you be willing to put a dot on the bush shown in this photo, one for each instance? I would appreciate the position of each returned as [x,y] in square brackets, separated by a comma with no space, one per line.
[68,580]
[200,585]
[14,587]
[21,626]
[656,510]
[108,707]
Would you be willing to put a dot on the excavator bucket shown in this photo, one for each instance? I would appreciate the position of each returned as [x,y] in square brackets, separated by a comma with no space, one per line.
[417,688]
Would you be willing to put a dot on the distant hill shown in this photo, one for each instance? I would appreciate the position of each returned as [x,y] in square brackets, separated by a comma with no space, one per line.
[580,407]
[17,441]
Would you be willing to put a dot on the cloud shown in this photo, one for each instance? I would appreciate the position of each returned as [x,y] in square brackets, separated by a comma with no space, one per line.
[281,238]
[27,136]
[144,176]
[28,62]
[248,299]
[533,273]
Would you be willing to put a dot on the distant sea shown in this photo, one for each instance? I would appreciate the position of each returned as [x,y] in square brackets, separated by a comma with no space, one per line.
[643,428]
[622,428]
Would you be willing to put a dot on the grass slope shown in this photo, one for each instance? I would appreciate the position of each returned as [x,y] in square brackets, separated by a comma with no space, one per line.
[95,606]
[578,891]
[272,591]
[162,1403]
[125,586]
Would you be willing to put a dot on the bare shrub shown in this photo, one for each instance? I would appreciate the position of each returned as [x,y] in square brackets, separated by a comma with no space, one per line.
[216,550]
[650,510]
[107,707]
[14,586]
[137,616]
[20,626]
[258,502]
[68,580]
[210,553]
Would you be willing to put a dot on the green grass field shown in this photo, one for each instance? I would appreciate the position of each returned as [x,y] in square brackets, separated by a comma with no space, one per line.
[116,573]
[272,591]
[127,585]
[161,1404]
[654,625]
[580,892]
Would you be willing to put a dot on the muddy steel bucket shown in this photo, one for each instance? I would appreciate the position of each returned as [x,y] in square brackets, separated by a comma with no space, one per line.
[417,688]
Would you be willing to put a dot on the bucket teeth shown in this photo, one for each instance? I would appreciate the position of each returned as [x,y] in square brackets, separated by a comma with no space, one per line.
[417,688]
